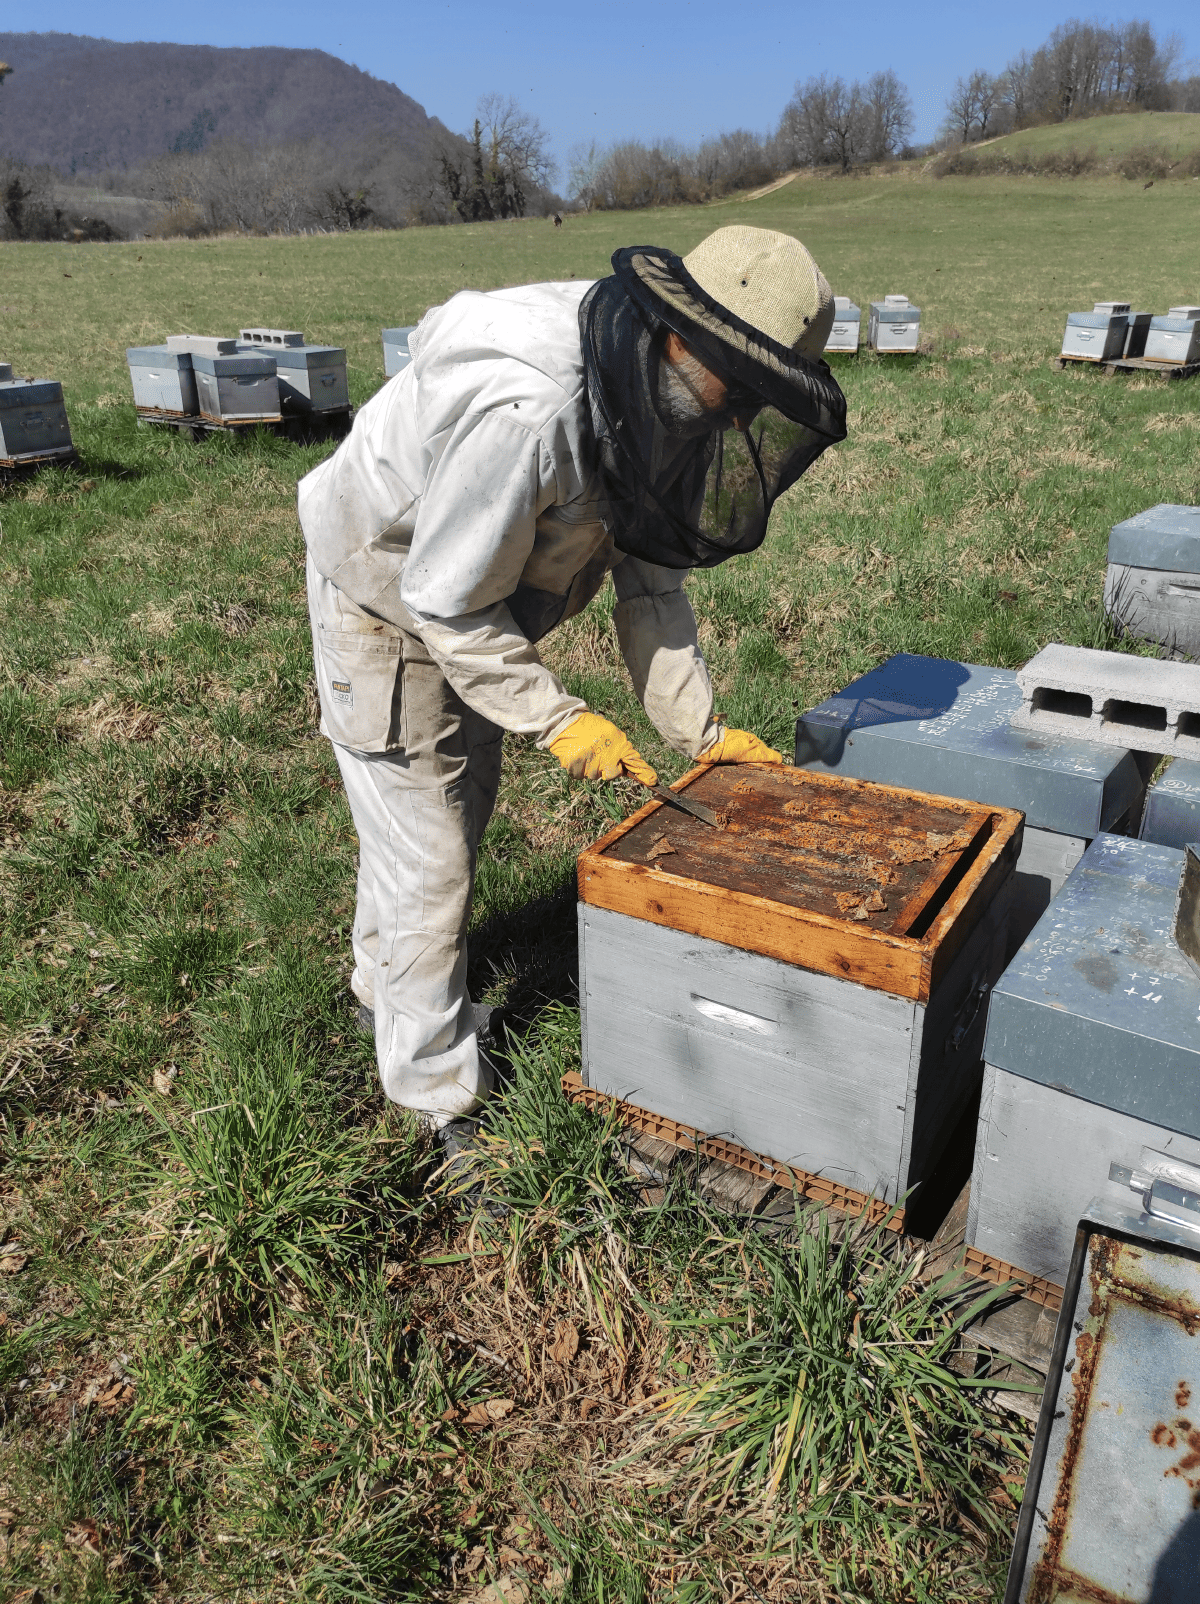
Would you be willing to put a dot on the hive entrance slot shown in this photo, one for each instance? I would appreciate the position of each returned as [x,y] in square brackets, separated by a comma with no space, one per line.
[1137,715]
[1075,704]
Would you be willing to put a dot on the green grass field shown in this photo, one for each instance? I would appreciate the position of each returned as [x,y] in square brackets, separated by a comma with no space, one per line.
[1177,132]
[247,1349]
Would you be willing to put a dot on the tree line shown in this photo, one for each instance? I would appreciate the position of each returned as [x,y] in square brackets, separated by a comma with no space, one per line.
[503,168]
[1084,69]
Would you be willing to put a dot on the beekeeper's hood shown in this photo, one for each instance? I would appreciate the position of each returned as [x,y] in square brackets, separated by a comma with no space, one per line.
[689,483]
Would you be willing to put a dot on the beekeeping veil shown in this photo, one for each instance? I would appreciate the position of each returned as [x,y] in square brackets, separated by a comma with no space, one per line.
[689,485]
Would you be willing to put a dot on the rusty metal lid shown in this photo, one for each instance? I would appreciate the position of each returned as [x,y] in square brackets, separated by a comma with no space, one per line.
[1111,1510]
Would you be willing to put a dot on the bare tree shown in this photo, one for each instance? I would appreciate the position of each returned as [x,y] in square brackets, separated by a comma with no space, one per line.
[961,109]
[506,160]
[889,115]
[583,170]
[1014,94]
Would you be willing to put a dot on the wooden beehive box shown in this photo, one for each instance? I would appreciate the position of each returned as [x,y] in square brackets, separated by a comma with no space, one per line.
[810,982]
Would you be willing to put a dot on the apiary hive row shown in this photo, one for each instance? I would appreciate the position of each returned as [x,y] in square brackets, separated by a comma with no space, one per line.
[1113,330]
[259,377]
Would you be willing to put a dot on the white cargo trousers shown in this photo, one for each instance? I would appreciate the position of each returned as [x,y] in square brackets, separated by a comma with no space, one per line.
[421,771]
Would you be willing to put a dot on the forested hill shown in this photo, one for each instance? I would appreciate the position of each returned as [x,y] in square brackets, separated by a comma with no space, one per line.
[84,105]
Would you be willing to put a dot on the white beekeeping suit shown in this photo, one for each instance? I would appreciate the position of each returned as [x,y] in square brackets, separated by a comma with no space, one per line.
[461,503]
[540,438]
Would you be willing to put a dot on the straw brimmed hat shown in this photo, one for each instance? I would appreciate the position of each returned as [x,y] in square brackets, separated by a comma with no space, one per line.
[751,299]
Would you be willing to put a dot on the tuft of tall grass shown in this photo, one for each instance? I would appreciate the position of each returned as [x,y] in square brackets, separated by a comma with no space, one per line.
[276,1203]
[825,1393]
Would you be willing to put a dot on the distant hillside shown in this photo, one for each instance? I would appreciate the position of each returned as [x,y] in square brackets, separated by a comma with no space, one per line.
[85,105]
[1177,132]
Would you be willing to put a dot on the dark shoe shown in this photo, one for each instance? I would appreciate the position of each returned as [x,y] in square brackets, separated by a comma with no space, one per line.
[456,1139]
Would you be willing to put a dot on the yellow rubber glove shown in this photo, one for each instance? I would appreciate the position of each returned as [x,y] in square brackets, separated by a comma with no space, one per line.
[739,746]
[590,748]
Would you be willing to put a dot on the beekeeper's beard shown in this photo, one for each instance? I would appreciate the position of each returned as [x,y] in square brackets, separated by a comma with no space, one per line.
[676,389]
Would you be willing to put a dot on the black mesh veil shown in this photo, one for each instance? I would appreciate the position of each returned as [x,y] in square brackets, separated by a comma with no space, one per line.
[692,496]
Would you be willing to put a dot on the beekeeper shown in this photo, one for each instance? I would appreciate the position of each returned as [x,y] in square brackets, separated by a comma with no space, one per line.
[541,438]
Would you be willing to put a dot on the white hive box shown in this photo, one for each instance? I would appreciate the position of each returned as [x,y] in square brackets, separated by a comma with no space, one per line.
[946,727]
[162,380]
[1092,1054]
[847,326]
[237,387]
[1173,339]
[727,983]
[1152,587]
[395,350]
[894,325]
[33,422]
[1094,336]
[312,378]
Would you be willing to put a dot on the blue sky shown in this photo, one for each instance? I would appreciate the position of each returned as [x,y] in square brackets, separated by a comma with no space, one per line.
[617,68]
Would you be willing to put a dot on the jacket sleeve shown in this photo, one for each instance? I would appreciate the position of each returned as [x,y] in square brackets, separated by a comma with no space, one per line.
[474,532]
[656,628]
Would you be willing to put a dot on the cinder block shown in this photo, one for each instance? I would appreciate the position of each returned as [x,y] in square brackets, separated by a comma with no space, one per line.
[271,337]
[201,344]
[894,325]
[33,421]
[1173,340]
[1094,336]
[946,727]
[1152,588]
[1172,814]
[1137,702]
[395,349]
[847,326]
[1112,306]
[1092,1052]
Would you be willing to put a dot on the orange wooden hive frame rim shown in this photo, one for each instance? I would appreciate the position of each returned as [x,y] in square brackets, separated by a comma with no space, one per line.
[906,966]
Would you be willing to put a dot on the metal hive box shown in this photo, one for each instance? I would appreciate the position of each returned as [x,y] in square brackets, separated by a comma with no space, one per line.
[1172,813]
[1109,1514]
[1094,336]
[33,421]
[930,722]
[894,325]
[809,981]
[395,350]
[237,388]
[847,325]
[1092,1053]
[1137,327]
[1173,339]
[1152,587]
[312,378]
[162,380]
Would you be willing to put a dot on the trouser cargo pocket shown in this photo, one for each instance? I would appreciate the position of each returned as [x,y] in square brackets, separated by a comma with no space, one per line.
[359,665]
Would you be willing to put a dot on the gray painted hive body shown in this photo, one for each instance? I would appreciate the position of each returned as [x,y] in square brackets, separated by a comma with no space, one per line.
[237,388]
[1109,1511]
[847,326]
[312,378]
[162,380]
[1092,1054]
[1094,336]
[1172,813]
[395,350]
[33,422]
[1152,587]
[1173,340]
[945,727]
[1138,702]
[771,1046]
[894,325]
